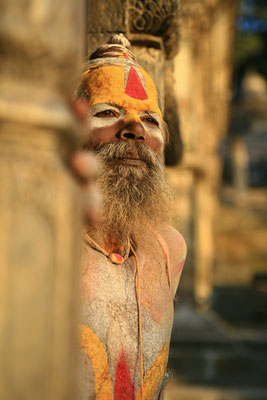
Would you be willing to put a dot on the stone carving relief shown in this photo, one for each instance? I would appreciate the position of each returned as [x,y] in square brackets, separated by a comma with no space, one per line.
[156,17]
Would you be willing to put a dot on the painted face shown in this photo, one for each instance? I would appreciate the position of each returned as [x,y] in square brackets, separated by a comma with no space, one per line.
[123,106]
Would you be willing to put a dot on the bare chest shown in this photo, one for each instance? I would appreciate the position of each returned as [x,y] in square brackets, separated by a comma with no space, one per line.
[111,314]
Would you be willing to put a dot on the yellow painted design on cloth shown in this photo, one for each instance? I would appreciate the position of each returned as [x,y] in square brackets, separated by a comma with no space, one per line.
[154,375]
[106,84]
[95,350]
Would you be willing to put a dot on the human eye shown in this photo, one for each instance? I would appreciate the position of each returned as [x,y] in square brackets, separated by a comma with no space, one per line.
[150,120]
[107,114]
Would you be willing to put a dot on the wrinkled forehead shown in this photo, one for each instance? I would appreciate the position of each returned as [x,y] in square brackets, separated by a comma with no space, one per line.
[128,86]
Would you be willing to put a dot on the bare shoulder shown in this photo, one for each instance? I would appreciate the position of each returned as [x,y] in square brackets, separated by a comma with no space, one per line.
[176,247]
[175,241]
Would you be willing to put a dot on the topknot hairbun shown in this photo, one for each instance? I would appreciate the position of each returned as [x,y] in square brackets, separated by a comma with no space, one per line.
[117,47]
[120,38]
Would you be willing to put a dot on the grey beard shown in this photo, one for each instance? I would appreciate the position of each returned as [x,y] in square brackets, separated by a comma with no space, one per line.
[133,197]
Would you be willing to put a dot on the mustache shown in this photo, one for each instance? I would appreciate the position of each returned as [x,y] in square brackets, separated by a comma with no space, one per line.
[113,151]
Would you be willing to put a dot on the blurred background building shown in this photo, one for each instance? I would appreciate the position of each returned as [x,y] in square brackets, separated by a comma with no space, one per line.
[219,344]
[208,58]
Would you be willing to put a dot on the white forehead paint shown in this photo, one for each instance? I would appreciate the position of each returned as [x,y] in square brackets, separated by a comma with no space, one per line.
[96,122]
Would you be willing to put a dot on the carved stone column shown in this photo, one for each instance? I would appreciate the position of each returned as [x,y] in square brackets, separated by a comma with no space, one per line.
[41,46]
[203,77]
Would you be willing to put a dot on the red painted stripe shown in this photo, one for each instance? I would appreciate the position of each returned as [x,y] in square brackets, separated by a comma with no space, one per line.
[124,388]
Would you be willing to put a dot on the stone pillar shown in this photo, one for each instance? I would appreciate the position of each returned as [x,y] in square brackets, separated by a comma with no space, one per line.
[240,169]
[202,85]
[41,46]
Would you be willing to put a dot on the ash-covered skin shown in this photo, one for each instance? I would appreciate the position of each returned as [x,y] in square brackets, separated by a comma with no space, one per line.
[110,310]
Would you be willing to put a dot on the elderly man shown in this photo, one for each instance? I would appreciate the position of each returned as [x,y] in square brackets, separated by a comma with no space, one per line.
[132,258]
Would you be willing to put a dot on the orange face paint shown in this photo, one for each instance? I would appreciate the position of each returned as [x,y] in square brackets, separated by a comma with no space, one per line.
[129,87]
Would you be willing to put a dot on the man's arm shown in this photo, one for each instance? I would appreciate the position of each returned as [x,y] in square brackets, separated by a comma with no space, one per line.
[177,253]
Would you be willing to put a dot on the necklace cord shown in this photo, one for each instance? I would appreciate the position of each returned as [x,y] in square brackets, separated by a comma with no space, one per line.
[100,249]
[139,317]
[96,246]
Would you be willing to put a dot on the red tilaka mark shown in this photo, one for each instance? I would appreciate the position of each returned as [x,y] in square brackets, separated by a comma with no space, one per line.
[134,87]
[124,388]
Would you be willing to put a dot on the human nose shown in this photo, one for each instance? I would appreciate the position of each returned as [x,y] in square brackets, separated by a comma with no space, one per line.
[132,130]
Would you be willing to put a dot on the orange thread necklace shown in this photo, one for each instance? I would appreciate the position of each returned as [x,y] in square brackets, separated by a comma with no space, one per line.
[115,258]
